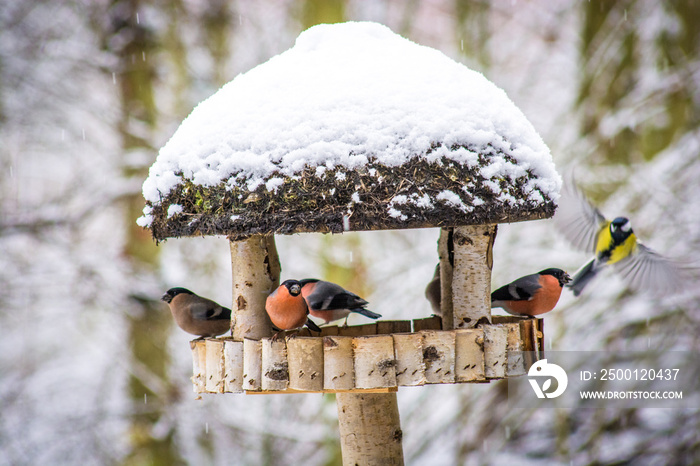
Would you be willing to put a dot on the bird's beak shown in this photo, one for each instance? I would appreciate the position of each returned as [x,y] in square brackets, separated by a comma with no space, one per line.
[567,278]
[166,297]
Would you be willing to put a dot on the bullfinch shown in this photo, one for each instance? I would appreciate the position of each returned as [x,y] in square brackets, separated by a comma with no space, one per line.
[433,292]
[612,243]
[287,308]
[330,302]
[197,315]
[531,295]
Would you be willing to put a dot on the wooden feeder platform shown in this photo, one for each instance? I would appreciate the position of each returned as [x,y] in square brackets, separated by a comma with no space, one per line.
[372,358]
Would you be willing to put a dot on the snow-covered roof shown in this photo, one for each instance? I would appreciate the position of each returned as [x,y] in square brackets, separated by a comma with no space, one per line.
[353,128]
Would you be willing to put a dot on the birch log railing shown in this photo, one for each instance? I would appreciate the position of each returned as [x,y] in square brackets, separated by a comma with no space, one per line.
[364,359]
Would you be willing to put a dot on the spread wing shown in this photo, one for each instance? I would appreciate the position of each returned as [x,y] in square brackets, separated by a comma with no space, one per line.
[577,218]
[646,270]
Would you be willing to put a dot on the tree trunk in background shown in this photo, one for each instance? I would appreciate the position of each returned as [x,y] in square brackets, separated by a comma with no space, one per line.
[125,32]
[472,25]
[322,11]
[149,325]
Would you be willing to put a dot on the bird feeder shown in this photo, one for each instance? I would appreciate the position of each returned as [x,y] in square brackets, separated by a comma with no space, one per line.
[355,129]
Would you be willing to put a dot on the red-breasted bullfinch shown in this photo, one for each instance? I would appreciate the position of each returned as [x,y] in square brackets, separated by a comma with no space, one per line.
[613,243]
[531,295]
[330,302]
[433,292]
[197,315]
[287,308]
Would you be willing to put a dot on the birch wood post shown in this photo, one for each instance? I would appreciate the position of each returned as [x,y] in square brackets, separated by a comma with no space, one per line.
[446,255]
[305,356]
[469,355]
[370,429]
[471,275]
[256,272]
[495,359]
[275,369]
[252,364]
[338,363]
[514,351]
[375,365]
[215,366]
[233,366]
[199,365]
[410,367]
[439,356]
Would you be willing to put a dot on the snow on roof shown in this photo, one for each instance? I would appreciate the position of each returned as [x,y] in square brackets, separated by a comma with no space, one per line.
[351,96]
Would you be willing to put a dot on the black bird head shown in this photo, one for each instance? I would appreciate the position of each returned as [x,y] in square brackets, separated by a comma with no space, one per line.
[620,229]
[172,292]
[293,286]
[559,274]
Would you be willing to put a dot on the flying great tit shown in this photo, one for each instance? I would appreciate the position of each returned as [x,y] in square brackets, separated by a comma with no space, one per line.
[613,243]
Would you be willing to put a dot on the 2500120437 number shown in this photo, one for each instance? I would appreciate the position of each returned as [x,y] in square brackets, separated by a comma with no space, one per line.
[639,374]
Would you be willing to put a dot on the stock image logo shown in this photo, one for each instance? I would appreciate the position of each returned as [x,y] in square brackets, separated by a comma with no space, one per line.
[551,371]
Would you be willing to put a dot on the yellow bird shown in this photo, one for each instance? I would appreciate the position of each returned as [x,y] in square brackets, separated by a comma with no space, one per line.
[613,243]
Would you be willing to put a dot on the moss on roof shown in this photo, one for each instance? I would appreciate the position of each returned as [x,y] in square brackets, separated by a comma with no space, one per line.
[374,197]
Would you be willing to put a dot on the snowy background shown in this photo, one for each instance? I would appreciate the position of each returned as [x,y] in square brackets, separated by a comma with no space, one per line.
[92,369]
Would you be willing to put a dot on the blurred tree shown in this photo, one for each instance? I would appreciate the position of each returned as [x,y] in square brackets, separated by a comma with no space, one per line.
[321,12]
[618,53]
[472,27]
[218,25]
[134,45]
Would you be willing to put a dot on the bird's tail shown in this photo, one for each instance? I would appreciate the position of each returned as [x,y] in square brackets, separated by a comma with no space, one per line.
[366,313]
[312,325]
[584,275]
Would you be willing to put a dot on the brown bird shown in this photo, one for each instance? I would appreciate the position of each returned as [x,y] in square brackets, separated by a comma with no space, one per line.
[433,292]
[197,315]
[288,309]
[531,295]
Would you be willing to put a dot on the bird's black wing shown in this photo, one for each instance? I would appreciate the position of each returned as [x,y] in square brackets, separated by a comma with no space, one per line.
[521,289]
[209,310]
[346,300]
[329,296]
